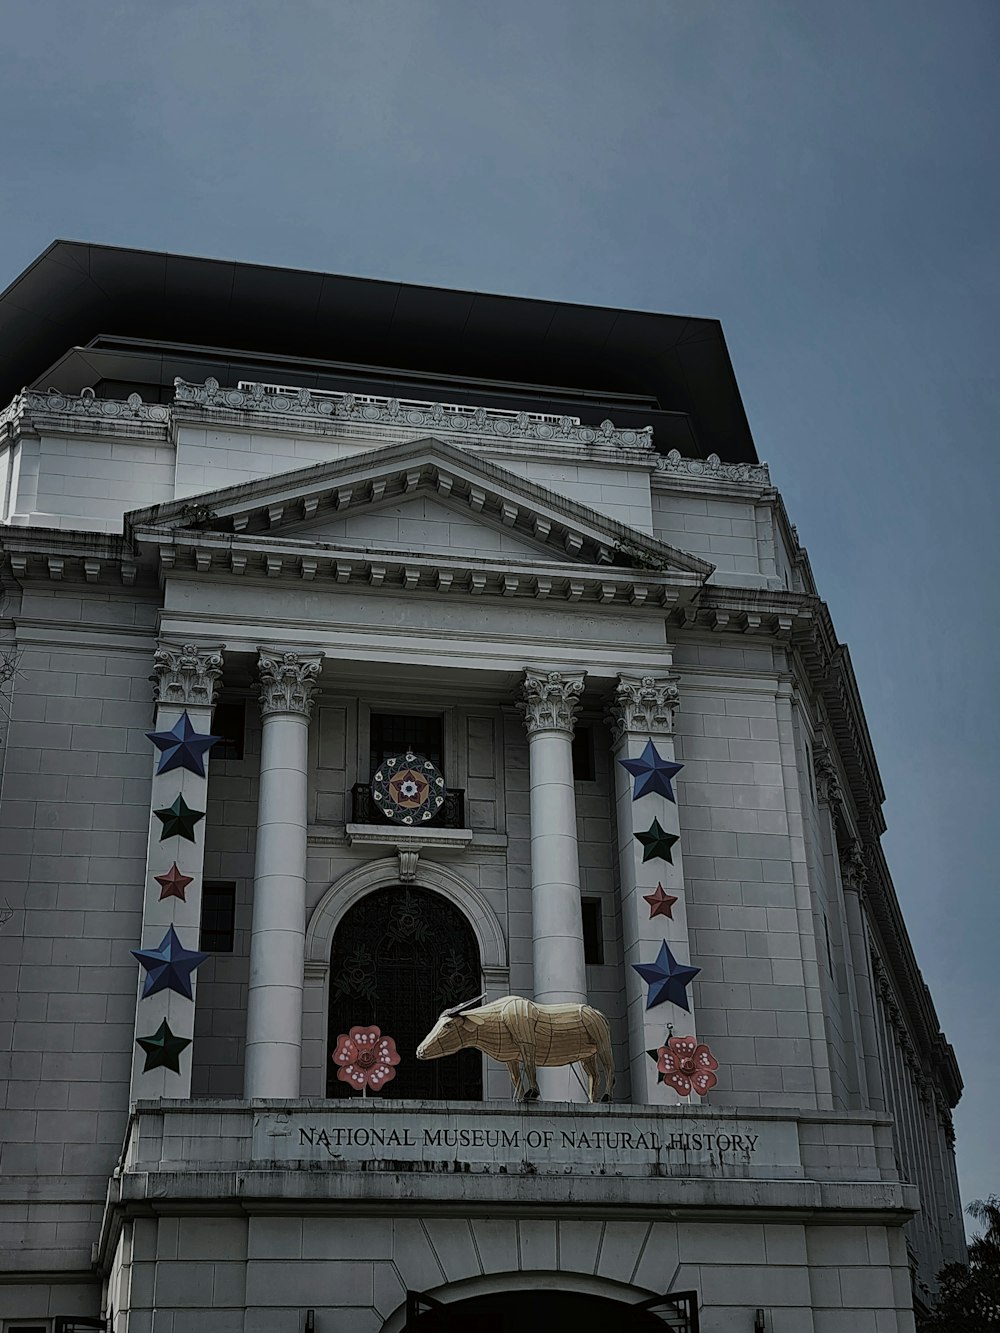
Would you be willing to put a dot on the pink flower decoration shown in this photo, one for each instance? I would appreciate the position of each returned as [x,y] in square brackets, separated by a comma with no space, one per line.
[687,1066]
[366,1059]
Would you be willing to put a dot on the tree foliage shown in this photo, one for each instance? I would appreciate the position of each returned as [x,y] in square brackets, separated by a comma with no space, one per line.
[968,1299]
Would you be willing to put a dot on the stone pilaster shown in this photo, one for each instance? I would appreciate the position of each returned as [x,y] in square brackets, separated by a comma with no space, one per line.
[549,704]
[277,941]
[185,678]
[853,876]
[642,710]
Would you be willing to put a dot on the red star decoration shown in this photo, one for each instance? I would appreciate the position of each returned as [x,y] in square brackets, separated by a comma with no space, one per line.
[660,903]
[173,883]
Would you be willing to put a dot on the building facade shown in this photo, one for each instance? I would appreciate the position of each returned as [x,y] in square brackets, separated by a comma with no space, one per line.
[333,523]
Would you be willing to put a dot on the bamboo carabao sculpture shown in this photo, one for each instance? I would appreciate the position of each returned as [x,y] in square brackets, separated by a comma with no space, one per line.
[524,1035]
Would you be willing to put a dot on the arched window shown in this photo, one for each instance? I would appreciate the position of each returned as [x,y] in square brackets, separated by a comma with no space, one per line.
[399,957]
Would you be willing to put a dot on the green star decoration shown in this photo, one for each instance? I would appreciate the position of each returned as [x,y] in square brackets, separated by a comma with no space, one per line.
[657,843]
[163,1049]
[179,820]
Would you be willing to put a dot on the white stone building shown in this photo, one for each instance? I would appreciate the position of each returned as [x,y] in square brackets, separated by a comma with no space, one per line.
[356,518]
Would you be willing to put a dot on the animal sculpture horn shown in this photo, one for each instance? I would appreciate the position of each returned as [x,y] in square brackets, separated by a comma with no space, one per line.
[461,1008]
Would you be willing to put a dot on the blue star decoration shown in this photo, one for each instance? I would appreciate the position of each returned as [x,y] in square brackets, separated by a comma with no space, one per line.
[667,978]
[656,842]
[178,820]
[182,746]
[169,966]
[163,1049]
[652,774]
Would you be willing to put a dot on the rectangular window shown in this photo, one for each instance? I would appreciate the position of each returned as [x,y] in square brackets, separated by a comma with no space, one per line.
[394,734]
[218,918]
[27,1328]
[593,930]
[229,721]
[78,1323]
[583,754]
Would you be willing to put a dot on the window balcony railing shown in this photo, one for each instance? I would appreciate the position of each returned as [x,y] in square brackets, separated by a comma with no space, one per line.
[365,811]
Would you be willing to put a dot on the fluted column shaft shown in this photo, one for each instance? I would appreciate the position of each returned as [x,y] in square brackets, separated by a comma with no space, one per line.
[277,941]
[549,705]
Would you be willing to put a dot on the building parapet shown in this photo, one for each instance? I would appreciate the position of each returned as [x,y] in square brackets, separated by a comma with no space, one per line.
[370,1152]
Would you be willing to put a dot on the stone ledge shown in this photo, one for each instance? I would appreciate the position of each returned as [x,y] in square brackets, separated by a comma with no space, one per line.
[412,839]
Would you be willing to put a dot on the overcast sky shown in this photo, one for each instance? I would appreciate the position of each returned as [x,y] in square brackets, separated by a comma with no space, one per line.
[821,177]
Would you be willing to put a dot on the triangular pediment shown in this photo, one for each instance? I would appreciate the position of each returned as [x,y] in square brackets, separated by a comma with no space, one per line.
[423,497]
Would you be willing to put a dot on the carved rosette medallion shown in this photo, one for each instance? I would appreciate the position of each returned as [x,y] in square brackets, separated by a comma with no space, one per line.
[287,682]
[186,675]
[550,700]
[643,706]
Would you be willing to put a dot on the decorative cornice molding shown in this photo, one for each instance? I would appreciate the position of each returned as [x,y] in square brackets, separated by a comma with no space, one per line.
[186,674]
[83,406]
[287,682]
[550,701]
[482,422]
[643,706]
[713,469]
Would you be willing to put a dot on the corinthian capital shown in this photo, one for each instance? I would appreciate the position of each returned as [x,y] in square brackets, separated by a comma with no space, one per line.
[853,870]
[827,779]
[550,700]
[287,681]
[186,674]
[643,706]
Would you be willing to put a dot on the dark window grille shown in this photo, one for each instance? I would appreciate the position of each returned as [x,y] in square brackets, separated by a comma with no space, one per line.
[583,754]
[230,722]
[399,957]
[392,734]
[218,918]
[77,1324]
[365,811]
[593,931]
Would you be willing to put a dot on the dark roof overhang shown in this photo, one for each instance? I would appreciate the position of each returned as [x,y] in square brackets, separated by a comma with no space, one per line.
[76,294]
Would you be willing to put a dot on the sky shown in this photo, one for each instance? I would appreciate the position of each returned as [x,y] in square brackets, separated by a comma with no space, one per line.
[820,177]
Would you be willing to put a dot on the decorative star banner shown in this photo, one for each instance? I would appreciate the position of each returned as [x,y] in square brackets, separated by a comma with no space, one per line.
[163,1049]
[661,903]
[179,820]
[652,774]
[173,884]
[182,746]
[656,842]
[667,979]
[169,966]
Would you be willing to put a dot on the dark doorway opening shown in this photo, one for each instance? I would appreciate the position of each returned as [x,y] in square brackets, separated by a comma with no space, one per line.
[547,1311]
[400,956]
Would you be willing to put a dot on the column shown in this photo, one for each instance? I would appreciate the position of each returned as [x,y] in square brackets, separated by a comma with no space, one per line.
[642,710]
[277,940]
[184,682]
[550,702]
[852,878]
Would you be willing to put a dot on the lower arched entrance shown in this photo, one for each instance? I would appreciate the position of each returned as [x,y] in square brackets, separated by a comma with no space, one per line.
[400,955]
[546,1311]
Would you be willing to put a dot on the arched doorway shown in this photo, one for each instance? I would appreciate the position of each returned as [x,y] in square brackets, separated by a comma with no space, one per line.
[544,1311]
[400,956]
